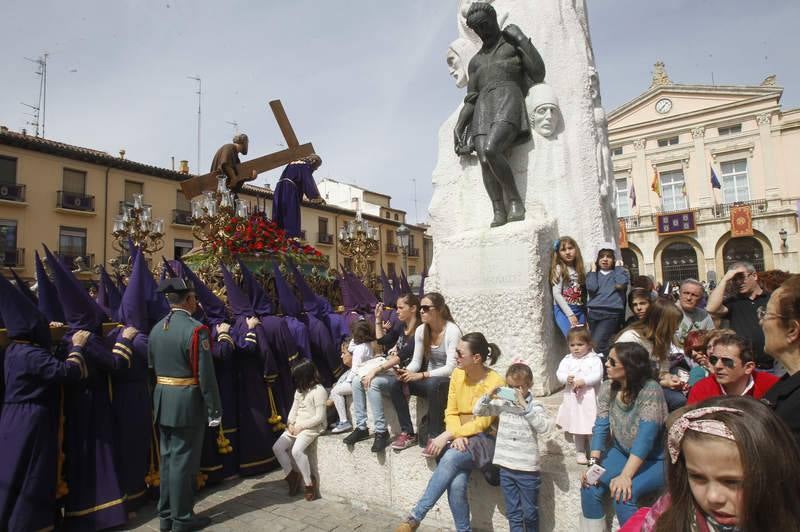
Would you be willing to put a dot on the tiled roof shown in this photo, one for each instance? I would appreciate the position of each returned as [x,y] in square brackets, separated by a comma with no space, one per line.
[79,153]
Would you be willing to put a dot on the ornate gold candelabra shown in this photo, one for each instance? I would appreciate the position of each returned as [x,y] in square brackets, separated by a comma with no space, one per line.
[358,240]
[136,225]
[211,219]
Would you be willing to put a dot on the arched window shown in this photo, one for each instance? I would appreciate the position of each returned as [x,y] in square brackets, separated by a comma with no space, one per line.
[744,248]
[679,262]
[631,262]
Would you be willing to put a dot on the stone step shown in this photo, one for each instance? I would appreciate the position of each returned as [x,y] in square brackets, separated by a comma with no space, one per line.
[394,481]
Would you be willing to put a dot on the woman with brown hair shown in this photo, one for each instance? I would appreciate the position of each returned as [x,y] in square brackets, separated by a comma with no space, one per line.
[780,322]
[428,373]
[656,333]
[733,465]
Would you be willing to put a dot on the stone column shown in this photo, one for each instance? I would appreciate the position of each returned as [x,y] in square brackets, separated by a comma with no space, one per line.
[641,178]
[769,183]
[700,186]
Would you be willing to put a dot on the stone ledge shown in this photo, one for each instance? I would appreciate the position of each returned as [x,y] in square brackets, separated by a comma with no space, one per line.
[393,481]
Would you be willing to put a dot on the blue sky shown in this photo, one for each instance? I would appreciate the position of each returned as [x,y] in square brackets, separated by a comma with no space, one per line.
[364,80]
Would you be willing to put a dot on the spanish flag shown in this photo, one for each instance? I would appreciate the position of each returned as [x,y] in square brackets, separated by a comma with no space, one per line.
[655,186]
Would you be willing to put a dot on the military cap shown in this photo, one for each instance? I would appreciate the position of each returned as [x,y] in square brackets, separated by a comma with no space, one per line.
[175,285]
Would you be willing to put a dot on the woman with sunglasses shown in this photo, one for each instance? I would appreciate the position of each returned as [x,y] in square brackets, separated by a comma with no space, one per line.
[428,373]
[632,411]
[780,322]
[470,381]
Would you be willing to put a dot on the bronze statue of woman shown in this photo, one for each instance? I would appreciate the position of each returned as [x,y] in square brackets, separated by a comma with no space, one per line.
[494,117]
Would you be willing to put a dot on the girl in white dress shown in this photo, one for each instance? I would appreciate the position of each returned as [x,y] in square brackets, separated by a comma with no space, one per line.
[581,371]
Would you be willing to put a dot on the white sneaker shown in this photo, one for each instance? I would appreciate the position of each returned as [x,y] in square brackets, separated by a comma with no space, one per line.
[581,459]
[342,426]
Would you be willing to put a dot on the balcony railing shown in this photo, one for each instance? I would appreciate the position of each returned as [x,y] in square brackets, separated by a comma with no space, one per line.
[324,238]
[181,217]
[413,252]
[13,258]
[391,248]
[70,258]
[12,192]
[724,210]
[703,214]
[74,201]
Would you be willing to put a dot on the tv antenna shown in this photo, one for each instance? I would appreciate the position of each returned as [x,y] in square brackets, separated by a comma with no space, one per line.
[39,110]
[416,215]
[199,114]
[235,125]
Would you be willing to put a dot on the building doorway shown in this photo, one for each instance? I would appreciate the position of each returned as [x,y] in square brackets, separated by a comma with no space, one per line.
[746,249]
[631,262]
[679,262]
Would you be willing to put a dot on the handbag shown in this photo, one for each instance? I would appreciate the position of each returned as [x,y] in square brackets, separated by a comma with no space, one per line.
[369,365]
[481,447]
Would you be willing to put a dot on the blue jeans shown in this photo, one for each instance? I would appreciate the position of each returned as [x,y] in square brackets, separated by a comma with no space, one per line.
[673,398]
[603,328]
[648,479]
[562,321]
[380,385]
[451,474]
[521,493]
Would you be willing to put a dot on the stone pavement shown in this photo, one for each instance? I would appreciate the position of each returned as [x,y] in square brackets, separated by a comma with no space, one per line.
[261,503]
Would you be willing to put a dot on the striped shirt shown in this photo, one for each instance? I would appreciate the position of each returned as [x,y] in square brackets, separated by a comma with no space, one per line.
[517,445]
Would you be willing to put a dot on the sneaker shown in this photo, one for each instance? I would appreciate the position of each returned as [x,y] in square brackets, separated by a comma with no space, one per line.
[342,426]
[581,459]
[409,525]
[404,441]
[380,442]
[356,436]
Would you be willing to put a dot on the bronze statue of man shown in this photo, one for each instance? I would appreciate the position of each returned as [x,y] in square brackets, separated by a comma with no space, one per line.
[226,160]
[494,117]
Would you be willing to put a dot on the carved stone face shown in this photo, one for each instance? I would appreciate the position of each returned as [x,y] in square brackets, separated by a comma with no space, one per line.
[545,119]
[456,68]
[243,147]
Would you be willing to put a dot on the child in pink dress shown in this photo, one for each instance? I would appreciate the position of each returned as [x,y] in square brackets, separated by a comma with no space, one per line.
[581,371]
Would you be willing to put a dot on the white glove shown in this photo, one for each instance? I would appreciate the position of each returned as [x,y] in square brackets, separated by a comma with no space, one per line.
[214,421]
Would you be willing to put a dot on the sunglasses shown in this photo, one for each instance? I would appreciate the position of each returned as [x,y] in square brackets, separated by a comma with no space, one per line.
[426,308]
[762,314]
[727,362]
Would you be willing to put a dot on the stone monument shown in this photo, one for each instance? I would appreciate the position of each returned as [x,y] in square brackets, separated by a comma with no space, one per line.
[495,279]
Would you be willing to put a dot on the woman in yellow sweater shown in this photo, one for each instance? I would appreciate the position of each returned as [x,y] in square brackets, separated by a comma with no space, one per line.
[469,381]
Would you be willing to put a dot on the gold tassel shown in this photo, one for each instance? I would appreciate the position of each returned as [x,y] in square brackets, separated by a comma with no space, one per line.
[200,480]
[223,444]
[153,476]
[61,484]
[275,419]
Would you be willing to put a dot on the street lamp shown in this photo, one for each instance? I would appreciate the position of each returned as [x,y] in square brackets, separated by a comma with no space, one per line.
[784,235]
[403,233]
[136,225]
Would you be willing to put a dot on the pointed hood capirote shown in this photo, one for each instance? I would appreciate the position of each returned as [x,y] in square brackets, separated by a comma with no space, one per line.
[213,307]
[389,295]
[288,301]
[21,317]
[259,299]
[405,288]
[23,287]
[311,302]
[80,310]
[49,305]
[108,295]
[133,307]
[166,269]
[237,299]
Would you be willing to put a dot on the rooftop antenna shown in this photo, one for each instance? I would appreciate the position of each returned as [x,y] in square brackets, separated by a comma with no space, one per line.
[39,110]
[199,114]
[416,215]
[235,125]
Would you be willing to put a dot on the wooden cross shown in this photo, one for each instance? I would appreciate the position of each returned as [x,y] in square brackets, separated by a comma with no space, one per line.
[244,172]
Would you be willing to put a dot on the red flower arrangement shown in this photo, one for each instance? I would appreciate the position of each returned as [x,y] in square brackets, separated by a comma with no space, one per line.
[258,234]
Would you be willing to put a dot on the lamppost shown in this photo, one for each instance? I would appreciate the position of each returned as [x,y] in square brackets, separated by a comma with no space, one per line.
[402,238]
[358,240]
[136,225]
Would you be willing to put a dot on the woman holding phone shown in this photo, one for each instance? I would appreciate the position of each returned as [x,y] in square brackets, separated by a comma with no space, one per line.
[632,411]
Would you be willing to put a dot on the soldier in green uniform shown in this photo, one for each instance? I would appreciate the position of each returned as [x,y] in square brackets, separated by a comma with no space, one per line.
[185,400]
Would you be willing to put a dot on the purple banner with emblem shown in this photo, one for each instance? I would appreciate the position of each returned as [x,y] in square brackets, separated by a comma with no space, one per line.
[675,223]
